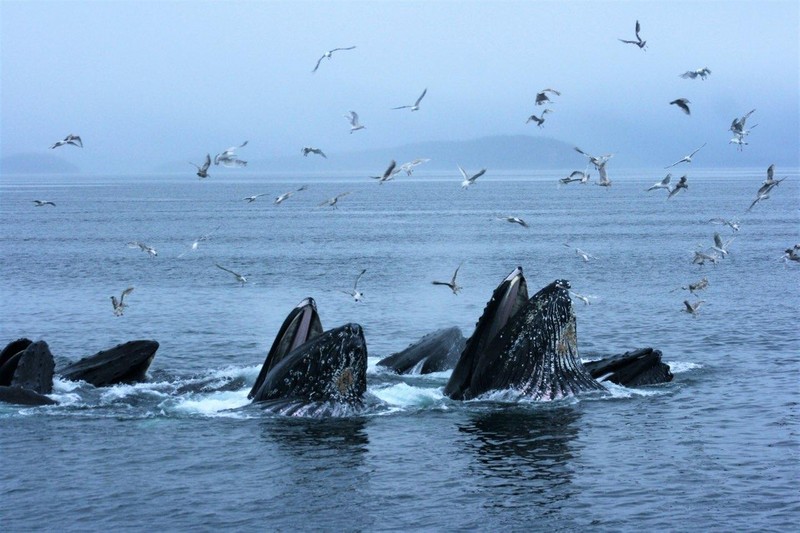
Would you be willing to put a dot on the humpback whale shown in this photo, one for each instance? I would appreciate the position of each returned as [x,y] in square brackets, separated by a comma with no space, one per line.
[312,373]
[124,363]
[434,352]
[526,345]
[26,375]
[631,369]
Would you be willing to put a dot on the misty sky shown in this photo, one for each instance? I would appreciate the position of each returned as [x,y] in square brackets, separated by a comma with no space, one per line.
[145,83]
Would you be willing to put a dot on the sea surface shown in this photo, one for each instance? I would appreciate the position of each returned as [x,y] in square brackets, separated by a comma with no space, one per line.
[718,448]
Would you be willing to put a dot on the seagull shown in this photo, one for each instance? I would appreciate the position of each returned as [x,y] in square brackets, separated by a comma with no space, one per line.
[452,284]
[692,308]
[469,180]
[585,256]
[539,120]
[409,167]
[734,225]
[719,246]
[353,118]
[584,299]
[197,241]
[241,279]
[333,201]
[143,247]
[415,106]
[311,150]
[686,158]
[769,183]
[759,198]
[202,172]
[541,97]
[702,72]
[596,161]
[679,187]
[41,203]
[739,141]
[576,175]
[74,140]
[328,54]
[388,174]
[251,199]
[683,103]
[604,181]
[119,306]
[737,126]
[638,42]
[663,184]
[792,254]
[228,157]
[700,258]
[697,286]
[355,293]
[286,195]
[514,220]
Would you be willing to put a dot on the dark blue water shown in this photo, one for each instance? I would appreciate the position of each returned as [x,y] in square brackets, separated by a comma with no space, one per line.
[717,448]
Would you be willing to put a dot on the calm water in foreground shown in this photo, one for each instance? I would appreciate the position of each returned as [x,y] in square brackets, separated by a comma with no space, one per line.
[716,449]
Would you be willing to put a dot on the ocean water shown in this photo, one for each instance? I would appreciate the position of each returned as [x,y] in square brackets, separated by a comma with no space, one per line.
[718,448]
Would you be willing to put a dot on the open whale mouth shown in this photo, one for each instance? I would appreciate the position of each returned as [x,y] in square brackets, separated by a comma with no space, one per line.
[301,325]
[508,298]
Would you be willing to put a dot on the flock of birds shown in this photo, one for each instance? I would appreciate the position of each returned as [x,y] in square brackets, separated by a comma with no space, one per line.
[720,249]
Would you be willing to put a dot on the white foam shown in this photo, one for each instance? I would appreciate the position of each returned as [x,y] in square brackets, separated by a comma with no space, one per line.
[212,404]
[678,367]
[404,395]
[619,391]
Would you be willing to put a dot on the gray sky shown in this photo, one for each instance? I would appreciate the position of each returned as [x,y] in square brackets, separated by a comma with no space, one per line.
[150,82]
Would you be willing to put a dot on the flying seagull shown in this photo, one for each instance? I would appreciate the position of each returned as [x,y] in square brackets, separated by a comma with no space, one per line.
[769,183]
[328,54]
[719,246]
[311,150]
[388,174]
[702,72]
[452,284]
[202,171]
[354,124]
[678,187]
[638,42]
[759,198]
[683,103]
[596,161]
[241,279]
[734,225]
[584,299]
[41,203]
[663,184]
[333,201]
[119,306]
[686,158]
[228,157]
[409,167]
[251,199]
[143,247]
[540,119]
[576,175]
[692,308]
[467,179]
[542,98]
[355,293]
[700,258]
[197,241]
[695,287]
[792,254]
[74,140]
[603,181]
[415,105]
[737,126]
[286,195]
[583,255]
[514,220]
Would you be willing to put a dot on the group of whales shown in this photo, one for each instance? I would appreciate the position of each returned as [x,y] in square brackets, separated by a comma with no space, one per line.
[523,344]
